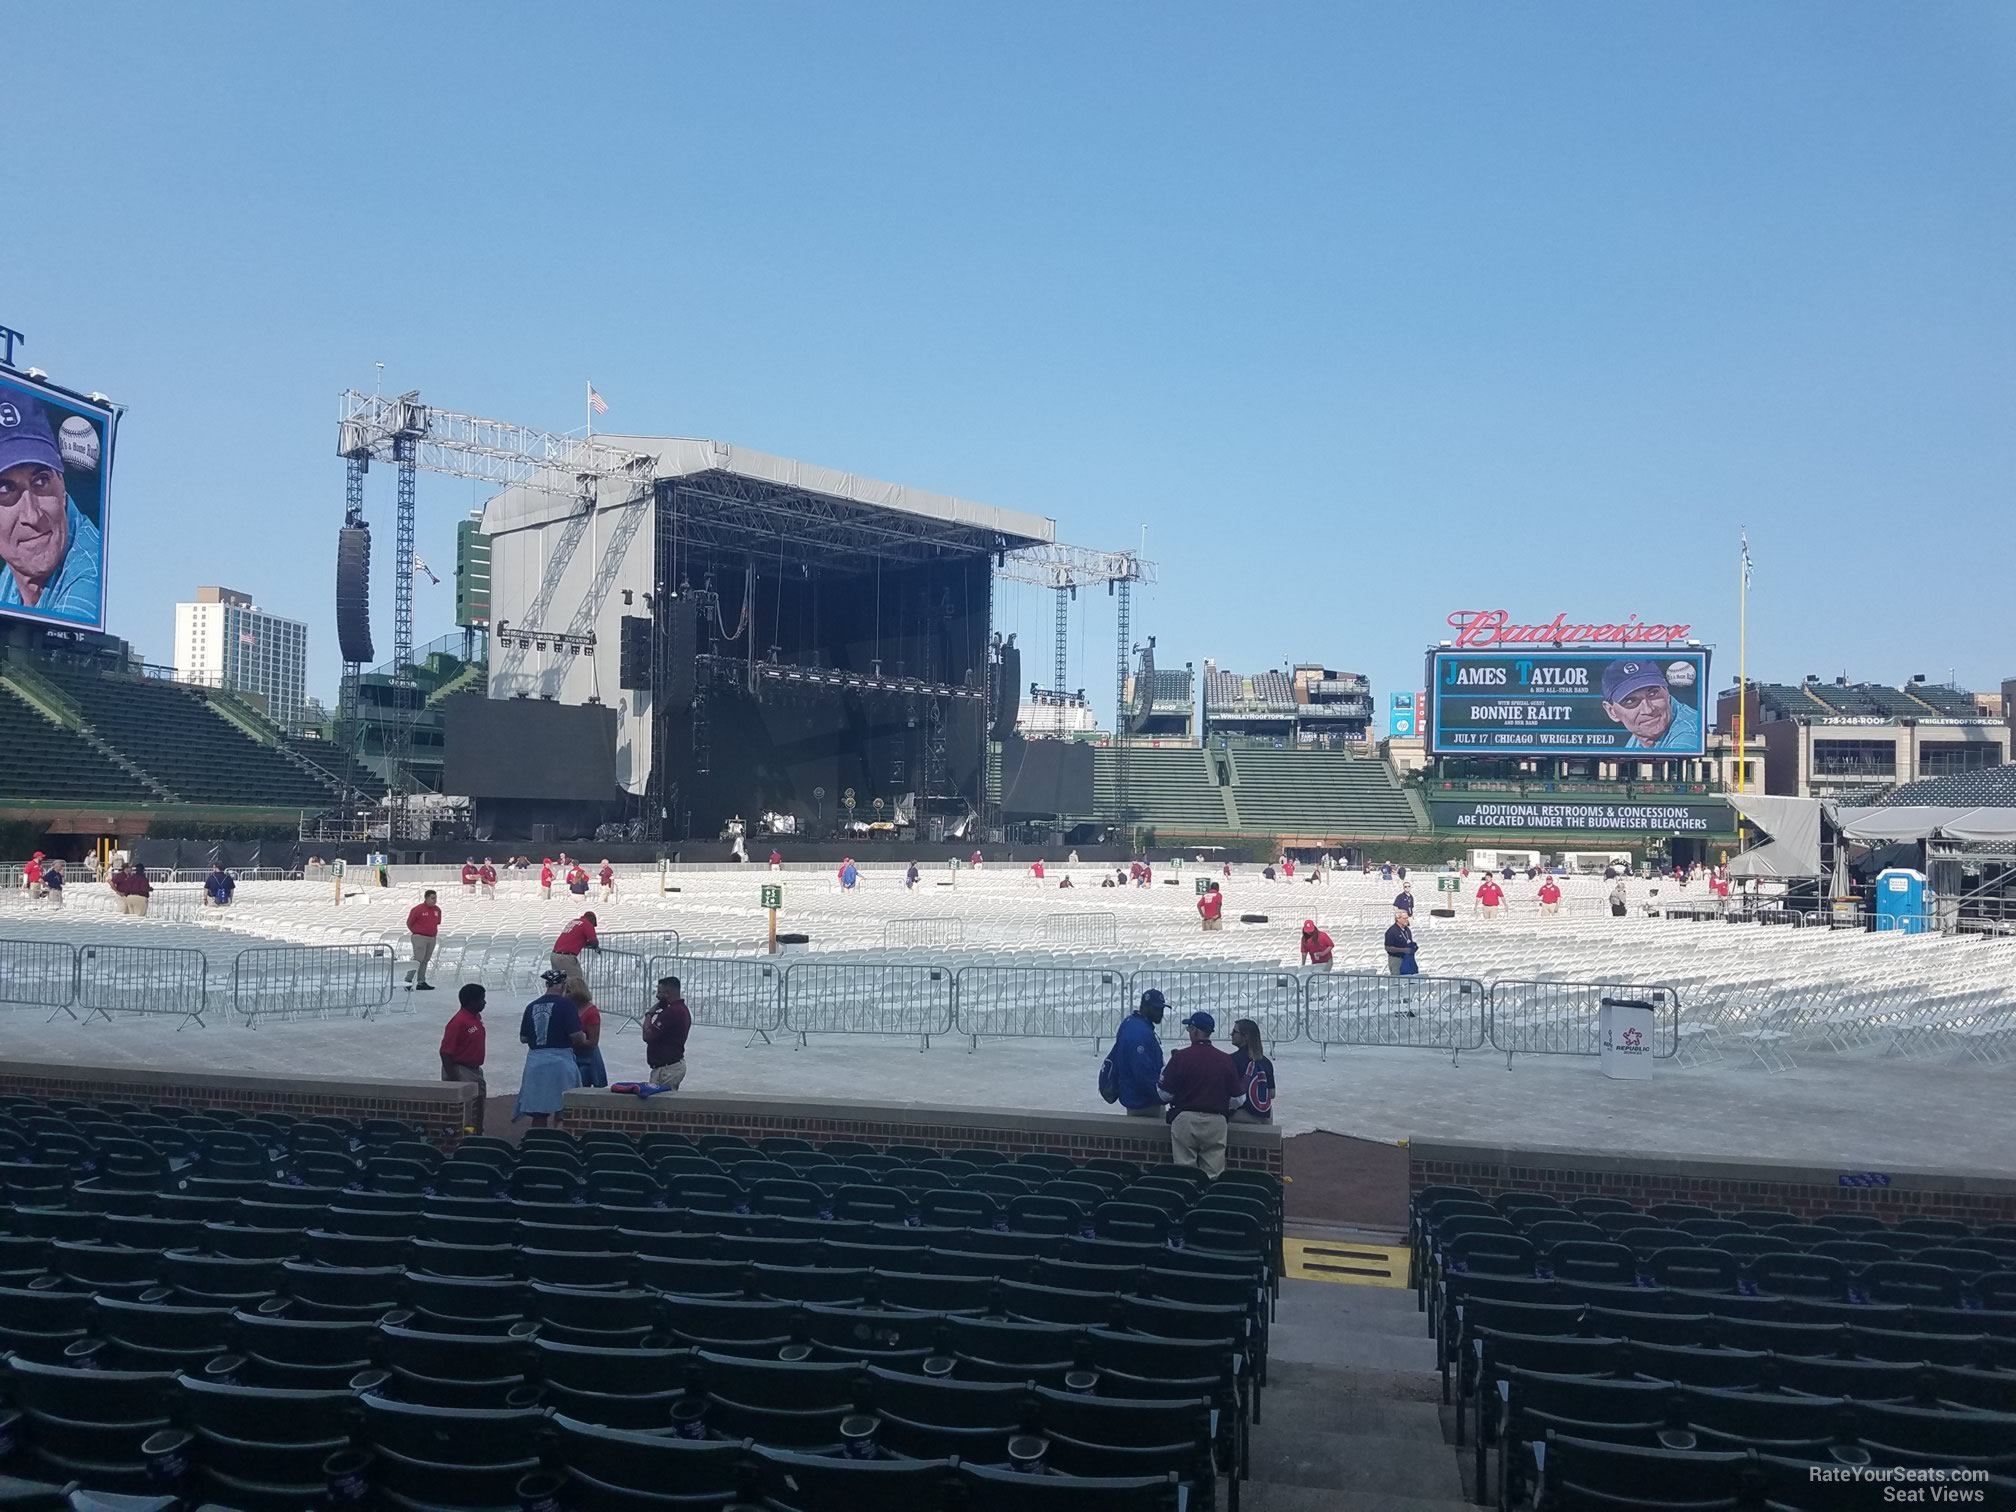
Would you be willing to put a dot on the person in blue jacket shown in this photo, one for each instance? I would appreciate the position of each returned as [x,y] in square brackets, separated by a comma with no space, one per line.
[219,885]
[1137,1058]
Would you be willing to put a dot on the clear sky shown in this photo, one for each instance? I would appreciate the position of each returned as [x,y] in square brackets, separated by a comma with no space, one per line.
[1367,313]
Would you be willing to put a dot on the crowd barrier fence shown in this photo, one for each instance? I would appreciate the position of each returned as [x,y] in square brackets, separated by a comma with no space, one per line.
[310,981]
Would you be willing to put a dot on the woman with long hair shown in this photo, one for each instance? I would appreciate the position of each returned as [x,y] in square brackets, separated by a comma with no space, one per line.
[1256,1073]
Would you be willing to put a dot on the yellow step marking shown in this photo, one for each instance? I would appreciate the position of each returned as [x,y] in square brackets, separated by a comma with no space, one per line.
[1347,1261]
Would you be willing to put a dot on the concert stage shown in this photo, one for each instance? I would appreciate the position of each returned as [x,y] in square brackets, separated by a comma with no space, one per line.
[769,636]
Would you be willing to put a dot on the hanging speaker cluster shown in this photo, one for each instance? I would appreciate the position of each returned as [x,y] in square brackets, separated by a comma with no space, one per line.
[353,592]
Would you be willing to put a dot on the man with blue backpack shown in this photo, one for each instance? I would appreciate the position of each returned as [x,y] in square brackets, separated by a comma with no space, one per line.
[1131,1074]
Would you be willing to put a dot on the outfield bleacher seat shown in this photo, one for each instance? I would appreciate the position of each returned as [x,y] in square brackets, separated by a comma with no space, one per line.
[41,761]
[1169,787]
[1317,793]
[172,733]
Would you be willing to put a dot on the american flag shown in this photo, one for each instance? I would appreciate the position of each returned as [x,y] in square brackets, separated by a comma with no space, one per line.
[596,402]
[1746,559]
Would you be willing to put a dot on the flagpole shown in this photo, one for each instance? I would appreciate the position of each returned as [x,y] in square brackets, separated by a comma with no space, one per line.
[1742,659]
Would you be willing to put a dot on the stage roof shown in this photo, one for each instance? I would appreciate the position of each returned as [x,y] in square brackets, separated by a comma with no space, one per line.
[732,497]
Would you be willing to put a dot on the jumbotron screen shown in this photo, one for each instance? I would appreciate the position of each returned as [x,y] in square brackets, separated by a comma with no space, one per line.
[55,475]
[1567,703]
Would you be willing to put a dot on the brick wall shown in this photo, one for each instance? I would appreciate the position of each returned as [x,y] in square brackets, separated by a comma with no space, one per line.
[1725,1186]
[441,1109]
[1252,1147]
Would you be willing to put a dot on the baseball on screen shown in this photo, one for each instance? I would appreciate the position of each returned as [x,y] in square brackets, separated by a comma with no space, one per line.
[1545,703]
[55,468]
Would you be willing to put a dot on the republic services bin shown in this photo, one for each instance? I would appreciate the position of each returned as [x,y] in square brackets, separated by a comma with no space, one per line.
[1624,1036]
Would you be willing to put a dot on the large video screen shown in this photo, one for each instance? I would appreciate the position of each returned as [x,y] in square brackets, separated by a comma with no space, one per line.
[528,748]
[1556,703]
[55,476]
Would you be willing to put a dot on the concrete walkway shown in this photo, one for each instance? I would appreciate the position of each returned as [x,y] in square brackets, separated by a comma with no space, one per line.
[1349,1417]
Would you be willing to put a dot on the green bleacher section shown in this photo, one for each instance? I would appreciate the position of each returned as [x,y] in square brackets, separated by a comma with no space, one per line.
[1168,787]
[42,762]
[172,733]
[341,766]
[1290,792]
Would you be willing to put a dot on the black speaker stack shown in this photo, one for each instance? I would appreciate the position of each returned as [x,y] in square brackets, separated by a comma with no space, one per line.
[353,592]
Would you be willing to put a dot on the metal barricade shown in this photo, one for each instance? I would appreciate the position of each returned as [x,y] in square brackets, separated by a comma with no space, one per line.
[1559,1018]
[1272,999]
[310,981]
[644,943]
[38,974]
[1080,929]
[142,979]
[868,997]
[1040,1002]
[1413,1012]
[726,992]
[929,933]
[616,982]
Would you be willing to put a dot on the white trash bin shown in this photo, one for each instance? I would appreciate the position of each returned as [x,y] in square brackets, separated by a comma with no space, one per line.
[1624,1029]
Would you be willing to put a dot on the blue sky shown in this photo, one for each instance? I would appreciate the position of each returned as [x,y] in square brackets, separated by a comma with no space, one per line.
[1367,313]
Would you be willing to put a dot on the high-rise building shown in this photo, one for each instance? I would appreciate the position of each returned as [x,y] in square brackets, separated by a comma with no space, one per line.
[224,640]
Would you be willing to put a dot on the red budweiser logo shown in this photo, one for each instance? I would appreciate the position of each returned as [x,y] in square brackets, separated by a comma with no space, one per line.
[1494,627]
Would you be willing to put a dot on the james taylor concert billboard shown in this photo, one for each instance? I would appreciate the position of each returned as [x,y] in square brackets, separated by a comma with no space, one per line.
[1567,703]
[55,471]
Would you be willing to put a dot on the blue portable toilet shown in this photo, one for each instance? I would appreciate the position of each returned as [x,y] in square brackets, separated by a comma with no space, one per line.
[1900,900]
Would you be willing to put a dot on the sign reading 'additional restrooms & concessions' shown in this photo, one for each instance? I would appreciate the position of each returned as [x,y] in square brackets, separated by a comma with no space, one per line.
[1556,703]
[1606,818]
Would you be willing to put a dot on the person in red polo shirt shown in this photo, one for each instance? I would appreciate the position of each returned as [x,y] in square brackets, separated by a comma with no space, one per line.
[1318,949]
[423,928]
[575,938]
[1490,896]
[546,878]
[1550,897]
[462,1045]
[607,876]
[487,875]
[1211,907]
[469,878]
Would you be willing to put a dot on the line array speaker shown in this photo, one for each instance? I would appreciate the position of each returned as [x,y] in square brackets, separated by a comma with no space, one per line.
[1007,692]
[353,592]
[682,631]
[633,656]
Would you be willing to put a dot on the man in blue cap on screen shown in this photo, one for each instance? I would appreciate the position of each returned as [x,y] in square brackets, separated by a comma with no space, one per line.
[1636,693]
[48,551]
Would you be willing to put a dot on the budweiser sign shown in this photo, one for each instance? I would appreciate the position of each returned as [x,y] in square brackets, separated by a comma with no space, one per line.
[1476,628]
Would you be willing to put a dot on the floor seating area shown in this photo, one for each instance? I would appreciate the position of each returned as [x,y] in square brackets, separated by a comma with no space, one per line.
[1674,1356]
[170,732]
[253,1313]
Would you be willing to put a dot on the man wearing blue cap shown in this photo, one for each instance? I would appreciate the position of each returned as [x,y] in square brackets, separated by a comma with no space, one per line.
[1636,695]
[1202,1085]
[1134,1064]
[49,552]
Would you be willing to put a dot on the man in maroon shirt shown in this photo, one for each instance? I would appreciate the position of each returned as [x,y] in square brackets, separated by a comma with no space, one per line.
[462,1045]
[666,1026]
[423,927]
[575,938]
[1201,1085]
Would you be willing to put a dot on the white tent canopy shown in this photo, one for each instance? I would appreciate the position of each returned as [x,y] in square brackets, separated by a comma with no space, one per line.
[1793,825]
[1926,822]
